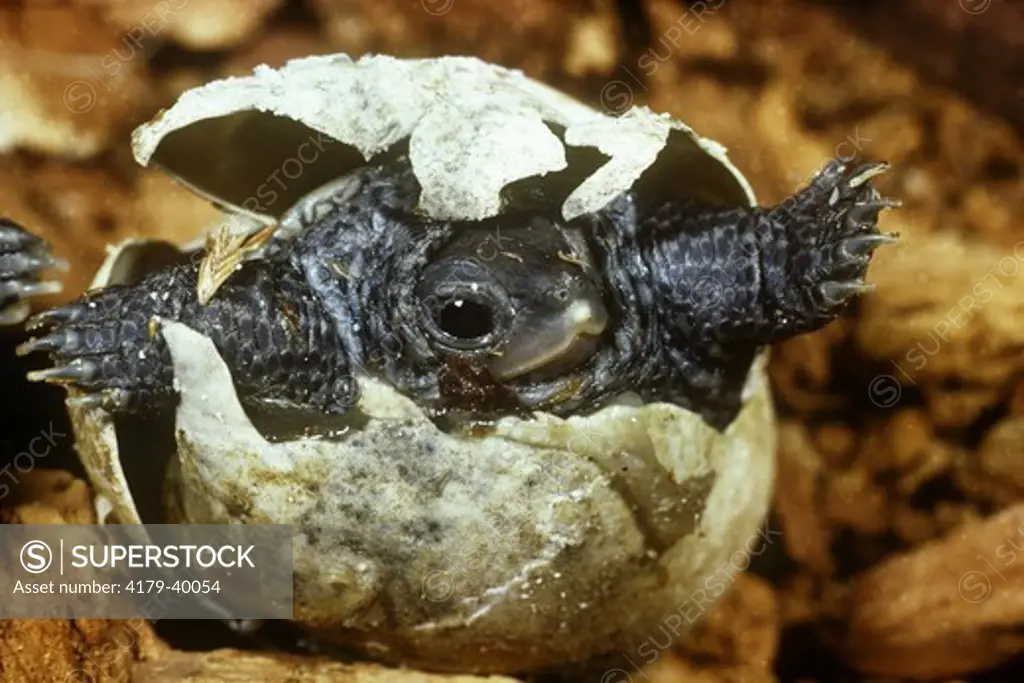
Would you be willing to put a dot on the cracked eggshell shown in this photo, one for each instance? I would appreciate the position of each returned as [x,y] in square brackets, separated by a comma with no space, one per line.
[542,542]
[259,143]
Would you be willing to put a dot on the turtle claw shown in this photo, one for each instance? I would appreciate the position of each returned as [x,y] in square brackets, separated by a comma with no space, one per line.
[866,213]
[79,371]
[837,293]
[51,342]
[63,341]
[55,316]
[865,245]
[23,257]
[865,173]
[24,290]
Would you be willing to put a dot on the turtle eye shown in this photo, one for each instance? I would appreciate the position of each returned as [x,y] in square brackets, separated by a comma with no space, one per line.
[465,319]
[465,308]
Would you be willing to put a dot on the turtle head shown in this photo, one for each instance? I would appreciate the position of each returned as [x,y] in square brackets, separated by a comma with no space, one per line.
[518,294]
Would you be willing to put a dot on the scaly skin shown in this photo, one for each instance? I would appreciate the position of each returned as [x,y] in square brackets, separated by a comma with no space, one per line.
[692,292]
[726,282]
[23,258]
[277,341]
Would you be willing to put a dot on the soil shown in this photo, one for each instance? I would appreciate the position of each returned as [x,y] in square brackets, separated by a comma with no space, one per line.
[900,492]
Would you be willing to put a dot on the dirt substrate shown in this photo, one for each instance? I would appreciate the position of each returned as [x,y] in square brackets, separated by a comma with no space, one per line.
[900,497]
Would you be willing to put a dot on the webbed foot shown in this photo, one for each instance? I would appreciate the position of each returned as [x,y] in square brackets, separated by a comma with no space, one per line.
[23,258]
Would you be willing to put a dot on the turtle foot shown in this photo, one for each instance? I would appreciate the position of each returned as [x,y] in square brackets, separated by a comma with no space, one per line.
[23,259]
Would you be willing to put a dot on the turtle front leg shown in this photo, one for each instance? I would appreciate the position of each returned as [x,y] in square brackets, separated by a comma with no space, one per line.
[814,250]
[23,258]
[737,278]
[278,344]
[725,281]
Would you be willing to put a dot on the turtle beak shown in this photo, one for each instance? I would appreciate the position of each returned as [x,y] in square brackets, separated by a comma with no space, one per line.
[551,342]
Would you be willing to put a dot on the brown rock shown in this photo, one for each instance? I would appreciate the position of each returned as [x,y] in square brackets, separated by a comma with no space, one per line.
[994,472]
[805,534]
[47,497]
[207,25]
[973,45]
[802,367]
[852,499]
[55,651]
[43,650]
[675,670]
[948,312]
[233,666]
[545,38]
[69,86]
[742,630]
[949,607]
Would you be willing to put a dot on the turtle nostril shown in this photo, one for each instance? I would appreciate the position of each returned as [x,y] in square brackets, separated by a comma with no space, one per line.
[466,319]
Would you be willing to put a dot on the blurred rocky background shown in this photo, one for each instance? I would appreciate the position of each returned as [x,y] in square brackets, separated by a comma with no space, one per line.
[900,497]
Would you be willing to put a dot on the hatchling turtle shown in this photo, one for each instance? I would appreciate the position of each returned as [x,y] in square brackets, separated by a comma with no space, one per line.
[522,341]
